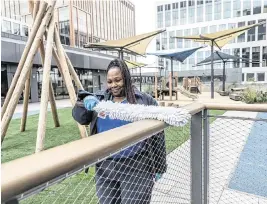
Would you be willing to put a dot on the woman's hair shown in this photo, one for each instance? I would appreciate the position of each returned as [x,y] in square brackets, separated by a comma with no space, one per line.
[126,76]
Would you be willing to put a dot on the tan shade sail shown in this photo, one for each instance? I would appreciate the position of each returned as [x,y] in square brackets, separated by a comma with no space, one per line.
[133,65]
[220,38]
[137,44]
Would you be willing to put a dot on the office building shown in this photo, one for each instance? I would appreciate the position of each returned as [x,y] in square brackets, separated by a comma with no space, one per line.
[79,22]
[193,17]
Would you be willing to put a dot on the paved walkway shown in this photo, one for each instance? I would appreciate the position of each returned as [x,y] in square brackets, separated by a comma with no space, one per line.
[227,141]
[34,108]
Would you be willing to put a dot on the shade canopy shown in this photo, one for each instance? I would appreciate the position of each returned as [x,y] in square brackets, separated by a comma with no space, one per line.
[179,56]
[220,56]
[133,65]
[220,38]
[135,44]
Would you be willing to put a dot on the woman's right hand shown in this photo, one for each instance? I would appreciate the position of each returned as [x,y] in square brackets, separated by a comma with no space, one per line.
[90,102]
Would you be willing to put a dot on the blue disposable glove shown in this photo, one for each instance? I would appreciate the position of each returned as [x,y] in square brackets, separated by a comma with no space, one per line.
[90,102]
[158,176]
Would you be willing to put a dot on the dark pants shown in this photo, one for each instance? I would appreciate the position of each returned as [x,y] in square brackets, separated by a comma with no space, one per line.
[127,181]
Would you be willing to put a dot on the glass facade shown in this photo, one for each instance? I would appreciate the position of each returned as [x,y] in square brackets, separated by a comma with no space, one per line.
[224,14]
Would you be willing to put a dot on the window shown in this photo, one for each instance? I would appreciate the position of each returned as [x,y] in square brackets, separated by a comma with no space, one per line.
[164,41]
[213,29]
[6,26]
[200,57]
[187,43]
[227,9]
[262,30]
[16,28]
[179,41]
[246,55]
[265,6]
[24,31]
[250,77]
[171,40]
[222,27]
[204,30]
[158,42]
[237,54]
[243,77]
[191,12]
[160,8]
[236,8]
[167,15]
[217,10]
[160,20]
[241,38]
[256,6]
[191,61]
[195,31]
[255,56]
[264,56]
[200,11]
[246,7]
[208,10]
[260,76]
[230,26]
[251,32]
[175,14]
[183,13]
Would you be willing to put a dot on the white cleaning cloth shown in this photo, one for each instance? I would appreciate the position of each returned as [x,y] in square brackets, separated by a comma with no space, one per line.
[135,112]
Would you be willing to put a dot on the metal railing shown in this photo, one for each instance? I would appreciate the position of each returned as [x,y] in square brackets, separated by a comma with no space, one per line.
[206,161]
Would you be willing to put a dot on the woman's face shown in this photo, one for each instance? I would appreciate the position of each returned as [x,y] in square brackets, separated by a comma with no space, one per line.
[115,82]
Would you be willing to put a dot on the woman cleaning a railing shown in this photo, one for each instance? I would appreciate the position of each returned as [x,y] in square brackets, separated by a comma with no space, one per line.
[129,175]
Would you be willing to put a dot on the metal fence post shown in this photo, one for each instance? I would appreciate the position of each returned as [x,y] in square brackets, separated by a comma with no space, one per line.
[196,159]
[206,139]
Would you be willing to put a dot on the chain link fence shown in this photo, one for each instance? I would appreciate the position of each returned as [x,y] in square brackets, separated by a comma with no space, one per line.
[232,165]
[128,177]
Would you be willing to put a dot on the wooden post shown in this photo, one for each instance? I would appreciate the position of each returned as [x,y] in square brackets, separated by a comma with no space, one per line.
[73,73]
[25,102]
[24,56]
[156,86]
[45,88]
[53,104]
[28,82]
[67,78]
[51,92]
[24,72]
